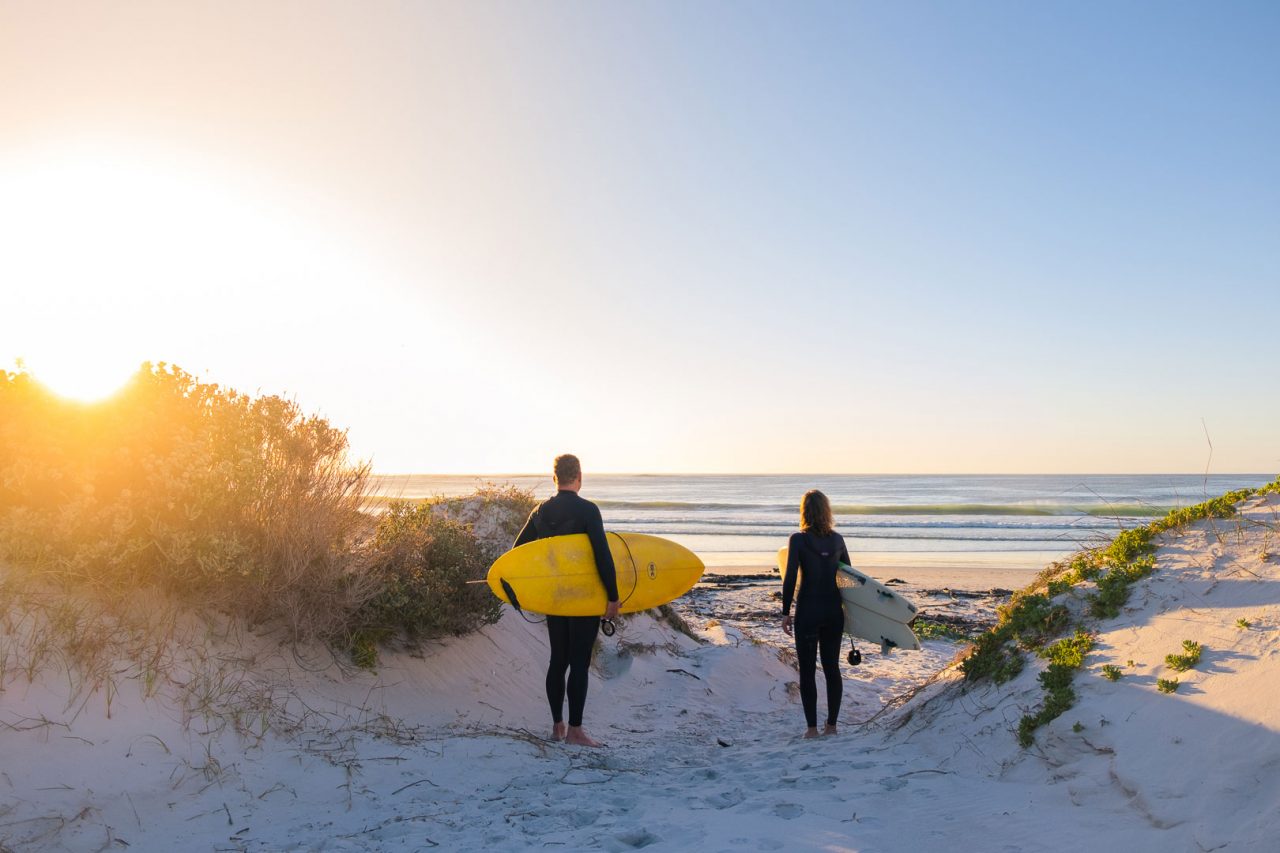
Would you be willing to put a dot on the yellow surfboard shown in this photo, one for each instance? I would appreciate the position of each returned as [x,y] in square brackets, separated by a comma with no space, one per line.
[557,576]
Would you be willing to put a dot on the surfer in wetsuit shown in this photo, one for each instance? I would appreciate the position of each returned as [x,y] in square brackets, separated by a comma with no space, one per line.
[816,553]
[573,638]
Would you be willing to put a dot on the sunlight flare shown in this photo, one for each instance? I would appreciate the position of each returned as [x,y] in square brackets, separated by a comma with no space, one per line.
[88,380]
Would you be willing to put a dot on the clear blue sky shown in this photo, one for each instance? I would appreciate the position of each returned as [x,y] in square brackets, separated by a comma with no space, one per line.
[842,237]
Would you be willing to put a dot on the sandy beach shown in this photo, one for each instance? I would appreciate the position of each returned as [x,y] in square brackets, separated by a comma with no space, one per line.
[446,747]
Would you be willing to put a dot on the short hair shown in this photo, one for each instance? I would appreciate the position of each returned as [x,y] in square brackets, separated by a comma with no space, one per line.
[567,468]
[815,513]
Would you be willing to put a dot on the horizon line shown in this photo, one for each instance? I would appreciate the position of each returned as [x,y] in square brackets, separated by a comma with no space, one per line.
[835,474]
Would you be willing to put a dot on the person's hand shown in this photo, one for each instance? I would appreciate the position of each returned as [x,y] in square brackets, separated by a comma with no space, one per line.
[786,624]
[611,612]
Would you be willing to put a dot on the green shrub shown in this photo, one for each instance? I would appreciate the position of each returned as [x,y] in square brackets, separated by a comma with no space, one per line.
[1026,621]
[1027,730]
[1063,584]
[1111,672]
[1032,619]
[422,561]
[1087,567]
[991,656]
[1114,586]
[1069,652]
[1185,661]
[1243,623]
[927,629]
[1059,696]
[1167,685]
[1056,676]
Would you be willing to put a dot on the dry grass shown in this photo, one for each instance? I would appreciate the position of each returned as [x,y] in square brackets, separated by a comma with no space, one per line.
[227,502]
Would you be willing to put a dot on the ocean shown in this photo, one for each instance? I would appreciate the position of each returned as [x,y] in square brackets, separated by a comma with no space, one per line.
[737,522]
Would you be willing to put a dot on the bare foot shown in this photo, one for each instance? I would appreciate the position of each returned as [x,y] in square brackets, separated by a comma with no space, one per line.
[576,736]
[813,732]
[557,731]
[828,729]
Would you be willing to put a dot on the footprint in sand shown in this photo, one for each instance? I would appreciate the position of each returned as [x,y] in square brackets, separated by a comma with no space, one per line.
[725,799]
[788,811]
[821,783]
[632,841]
[612,664]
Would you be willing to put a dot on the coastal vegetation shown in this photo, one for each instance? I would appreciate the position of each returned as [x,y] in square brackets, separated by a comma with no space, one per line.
[1057,601]
[216,502]
[933,629]
[1189,658]
[421,561]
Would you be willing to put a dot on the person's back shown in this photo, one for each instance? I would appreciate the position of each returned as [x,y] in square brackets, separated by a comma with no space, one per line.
[813,562]
[564,514]
[572,638]
[819,557]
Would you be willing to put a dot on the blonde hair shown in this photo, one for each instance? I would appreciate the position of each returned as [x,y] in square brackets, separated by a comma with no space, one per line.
[815,513]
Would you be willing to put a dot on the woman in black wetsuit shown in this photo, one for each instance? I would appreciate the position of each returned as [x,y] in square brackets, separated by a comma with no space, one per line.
[816,553]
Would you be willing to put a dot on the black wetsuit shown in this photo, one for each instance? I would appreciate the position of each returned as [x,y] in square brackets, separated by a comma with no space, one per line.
[572,637]
[819,621]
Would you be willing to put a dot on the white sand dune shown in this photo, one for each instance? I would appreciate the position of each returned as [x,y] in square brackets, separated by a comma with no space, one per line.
[445,749]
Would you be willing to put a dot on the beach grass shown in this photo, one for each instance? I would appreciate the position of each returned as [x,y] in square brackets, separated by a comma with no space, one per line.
[129,527]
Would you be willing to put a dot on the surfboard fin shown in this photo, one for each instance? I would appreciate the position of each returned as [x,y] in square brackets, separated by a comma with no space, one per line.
[511,595]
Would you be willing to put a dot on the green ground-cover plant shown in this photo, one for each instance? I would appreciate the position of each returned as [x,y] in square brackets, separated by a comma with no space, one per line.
[1243,623]
[1111,672]
[1069,651]
[1065,657]
[1026,622]
[1031,618]
[928,629]
[1058,697]
[1188,659]
[1167,685]
[1113,587]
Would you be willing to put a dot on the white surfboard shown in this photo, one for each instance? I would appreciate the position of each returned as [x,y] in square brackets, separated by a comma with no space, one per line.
[872,611]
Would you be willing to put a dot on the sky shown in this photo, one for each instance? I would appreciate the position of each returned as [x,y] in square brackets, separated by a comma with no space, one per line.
[856,237]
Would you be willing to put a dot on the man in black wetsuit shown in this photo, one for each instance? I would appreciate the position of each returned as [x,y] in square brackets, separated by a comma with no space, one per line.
[573,638]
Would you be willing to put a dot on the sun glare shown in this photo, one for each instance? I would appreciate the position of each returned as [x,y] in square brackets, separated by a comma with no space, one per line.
[112,259]
[82,378]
